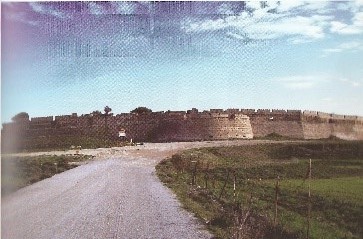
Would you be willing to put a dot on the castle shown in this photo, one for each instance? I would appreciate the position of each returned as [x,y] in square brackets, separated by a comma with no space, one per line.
[191,125]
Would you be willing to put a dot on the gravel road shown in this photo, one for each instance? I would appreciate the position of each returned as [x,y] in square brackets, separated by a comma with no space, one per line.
[115,196]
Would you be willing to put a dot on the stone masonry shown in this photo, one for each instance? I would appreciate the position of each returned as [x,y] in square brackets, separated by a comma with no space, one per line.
[191,125]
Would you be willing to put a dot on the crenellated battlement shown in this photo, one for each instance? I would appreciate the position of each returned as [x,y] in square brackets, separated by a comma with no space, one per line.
[322,115]
[63,117]
[195,113]
[47,119]
[190,125]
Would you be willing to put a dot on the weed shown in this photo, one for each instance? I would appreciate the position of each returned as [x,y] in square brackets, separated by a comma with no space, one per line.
[239,201]
[18,172]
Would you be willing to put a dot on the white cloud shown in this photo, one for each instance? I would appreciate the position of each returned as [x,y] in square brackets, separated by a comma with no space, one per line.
[320,7]
[358,19]
[299,85]
[327,99]
[236,36]
[356,84]
[332,50]
[351,45]
[37,7]
[263,25]
[292,5]
[95,8]
[350,82]
[298,40]
[297,21]
[225,8]
[269,21]
[344,29]
[300,82]
[353,6]
[343,6]
[356,27]
[124,7]
[289,5]
[46,10]
[359,3]
[343,47]
[253,4]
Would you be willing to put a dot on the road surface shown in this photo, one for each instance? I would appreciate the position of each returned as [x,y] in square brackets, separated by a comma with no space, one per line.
[115,196]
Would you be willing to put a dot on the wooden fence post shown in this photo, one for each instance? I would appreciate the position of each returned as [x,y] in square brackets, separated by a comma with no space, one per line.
[224,185]
[194,177]
[234,187]
[309,202]
[206,175]
[276,199]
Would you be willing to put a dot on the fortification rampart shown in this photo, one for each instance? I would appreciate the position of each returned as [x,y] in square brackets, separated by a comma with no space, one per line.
[318,125]
[191,125]
[286,123]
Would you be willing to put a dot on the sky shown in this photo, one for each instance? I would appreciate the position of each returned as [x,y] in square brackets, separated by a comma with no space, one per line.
[63,57]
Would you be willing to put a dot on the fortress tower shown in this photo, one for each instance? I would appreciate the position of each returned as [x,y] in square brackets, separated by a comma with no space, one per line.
[191,125]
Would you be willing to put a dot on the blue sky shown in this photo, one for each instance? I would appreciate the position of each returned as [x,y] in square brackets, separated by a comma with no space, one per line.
[64,57]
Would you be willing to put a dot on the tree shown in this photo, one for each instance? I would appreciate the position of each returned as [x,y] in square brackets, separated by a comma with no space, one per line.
[107,110]
[141,110]
[20,116]
[96,112]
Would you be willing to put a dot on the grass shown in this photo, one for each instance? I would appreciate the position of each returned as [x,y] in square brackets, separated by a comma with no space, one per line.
[60,142]
[275,136]
[18,172]
[248,212]
[349,189]
[64,142]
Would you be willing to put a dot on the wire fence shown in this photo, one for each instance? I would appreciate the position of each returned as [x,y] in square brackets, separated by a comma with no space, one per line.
[243,197]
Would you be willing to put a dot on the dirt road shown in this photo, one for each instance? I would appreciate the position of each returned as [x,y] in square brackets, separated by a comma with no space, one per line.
[115,196]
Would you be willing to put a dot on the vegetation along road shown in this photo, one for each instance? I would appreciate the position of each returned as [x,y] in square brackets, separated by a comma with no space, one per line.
[230,186]
[116,195]
[311,189]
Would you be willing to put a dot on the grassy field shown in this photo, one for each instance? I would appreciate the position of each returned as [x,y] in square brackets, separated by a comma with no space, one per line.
[18,172]
[233,189]
[58,142]
[64,143]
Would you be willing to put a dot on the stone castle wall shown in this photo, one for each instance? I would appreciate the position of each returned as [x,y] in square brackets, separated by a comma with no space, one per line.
[179,126]
[192,125]
[318,125]
[285,123]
